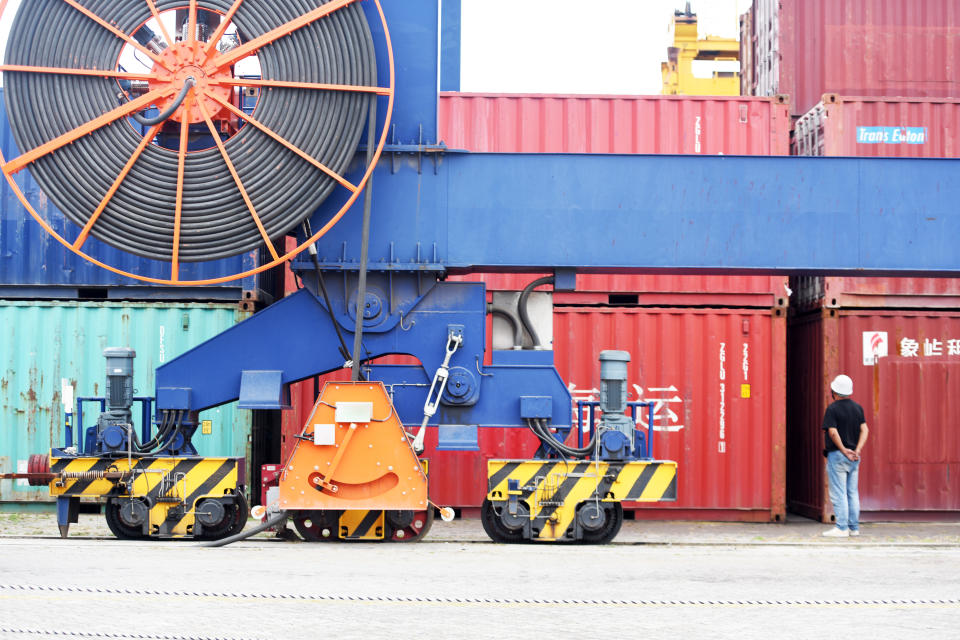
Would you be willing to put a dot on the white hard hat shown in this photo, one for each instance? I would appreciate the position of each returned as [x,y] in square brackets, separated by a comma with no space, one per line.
[842,385]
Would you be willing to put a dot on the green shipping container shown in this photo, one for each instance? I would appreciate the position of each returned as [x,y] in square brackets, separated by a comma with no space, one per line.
[42,343]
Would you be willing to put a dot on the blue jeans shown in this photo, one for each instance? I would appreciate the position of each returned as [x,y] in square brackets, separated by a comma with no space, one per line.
[843,475]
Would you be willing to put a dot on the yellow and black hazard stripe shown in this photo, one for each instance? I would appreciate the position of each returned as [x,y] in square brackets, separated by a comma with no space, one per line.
[364,524]
[552,490]
[201,481]
[84,486]
[361,524]
[635,481]
[171,486]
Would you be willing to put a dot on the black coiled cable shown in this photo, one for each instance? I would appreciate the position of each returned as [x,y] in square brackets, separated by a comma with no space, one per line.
[216,222]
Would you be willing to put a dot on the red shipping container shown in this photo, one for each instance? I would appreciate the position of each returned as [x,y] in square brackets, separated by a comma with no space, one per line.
[805,48]
[651,290]
[527,123]
[717,377]
[880,127]
[910,395]
[814,292]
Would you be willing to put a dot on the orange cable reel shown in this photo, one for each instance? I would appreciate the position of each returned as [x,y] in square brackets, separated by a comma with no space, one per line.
[193,66]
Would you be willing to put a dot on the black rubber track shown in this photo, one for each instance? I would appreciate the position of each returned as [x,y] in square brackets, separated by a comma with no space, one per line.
[216,223]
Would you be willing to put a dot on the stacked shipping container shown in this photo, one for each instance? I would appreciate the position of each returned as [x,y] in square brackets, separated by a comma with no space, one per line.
[46,342]
[805,48]
[905,364]
[880,127]
[868,78]
[517,123]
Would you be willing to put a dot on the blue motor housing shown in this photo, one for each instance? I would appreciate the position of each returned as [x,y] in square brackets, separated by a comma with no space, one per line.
[115,425]
[615,445]
[113,429]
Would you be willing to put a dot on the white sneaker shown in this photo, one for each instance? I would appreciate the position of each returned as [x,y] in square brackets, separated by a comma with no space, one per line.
[836,532]
[854,533]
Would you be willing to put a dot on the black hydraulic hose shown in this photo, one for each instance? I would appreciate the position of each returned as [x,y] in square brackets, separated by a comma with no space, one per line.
[522,308]
[589,448]
[243,535]
[177,424]
[355,374]
[158,438]
[514,322]
[322,285]
[540,430]
[169,111]
[216,223]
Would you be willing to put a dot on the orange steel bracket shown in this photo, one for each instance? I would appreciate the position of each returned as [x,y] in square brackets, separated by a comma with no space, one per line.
[358,465]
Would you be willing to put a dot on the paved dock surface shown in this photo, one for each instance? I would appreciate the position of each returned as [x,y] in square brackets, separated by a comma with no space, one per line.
[700,580]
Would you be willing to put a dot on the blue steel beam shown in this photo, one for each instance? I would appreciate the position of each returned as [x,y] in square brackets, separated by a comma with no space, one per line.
[637,213]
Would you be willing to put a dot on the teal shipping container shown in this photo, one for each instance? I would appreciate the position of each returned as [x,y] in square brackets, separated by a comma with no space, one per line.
[43,343]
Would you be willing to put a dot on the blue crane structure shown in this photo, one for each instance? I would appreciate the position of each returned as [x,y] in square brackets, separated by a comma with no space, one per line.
[437,211]
[434,211]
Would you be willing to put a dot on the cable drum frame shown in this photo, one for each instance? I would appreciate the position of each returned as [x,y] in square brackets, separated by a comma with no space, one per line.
[12,166]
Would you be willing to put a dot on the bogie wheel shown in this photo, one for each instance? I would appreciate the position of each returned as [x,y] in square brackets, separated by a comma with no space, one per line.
[414,531]
[494,527]
[120,530]
[611,527]
[186,131]
[317,526]
[242,514]
[233,523]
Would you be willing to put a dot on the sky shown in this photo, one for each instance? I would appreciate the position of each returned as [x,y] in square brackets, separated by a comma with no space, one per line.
[565,46]
[558,46]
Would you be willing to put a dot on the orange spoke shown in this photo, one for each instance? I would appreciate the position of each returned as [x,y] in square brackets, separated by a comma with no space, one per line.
[70,71]
[286,143]
[82,238]
[284,84]
[236,178]
[163,30]
[249,48]
[142,102]
[192,33]
[222,29]
[120,34]
[181,168]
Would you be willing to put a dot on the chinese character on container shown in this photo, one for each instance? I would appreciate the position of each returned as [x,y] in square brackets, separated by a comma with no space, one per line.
[667,407]
[953,347]
[932,347]
[584,395]
[909,348]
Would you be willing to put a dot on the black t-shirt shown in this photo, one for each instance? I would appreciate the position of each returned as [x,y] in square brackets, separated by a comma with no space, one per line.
[845,416]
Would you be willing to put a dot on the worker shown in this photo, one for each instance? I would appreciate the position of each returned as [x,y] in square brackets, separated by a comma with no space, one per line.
[845,433]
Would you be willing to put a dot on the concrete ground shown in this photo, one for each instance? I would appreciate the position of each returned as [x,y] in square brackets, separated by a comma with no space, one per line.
[695,579]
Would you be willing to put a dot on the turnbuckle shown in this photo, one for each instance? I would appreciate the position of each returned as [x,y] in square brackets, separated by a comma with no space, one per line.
[437,387]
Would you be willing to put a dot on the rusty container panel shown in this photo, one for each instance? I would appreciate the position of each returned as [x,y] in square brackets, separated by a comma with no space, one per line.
[650,290]
[42,343]
[906,371]
[541,123]
[814,292]
[805,48]
[717,376]
[880,127]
